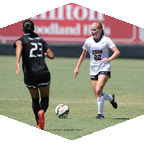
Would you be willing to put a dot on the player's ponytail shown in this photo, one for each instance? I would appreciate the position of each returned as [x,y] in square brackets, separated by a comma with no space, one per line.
[28,26]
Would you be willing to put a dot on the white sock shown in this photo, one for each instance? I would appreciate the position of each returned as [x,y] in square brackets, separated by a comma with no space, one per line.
[107,97]
[100,103]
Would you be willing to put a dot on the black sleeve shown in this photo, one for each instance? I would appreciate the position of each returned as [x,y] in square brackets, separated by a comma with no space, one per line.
[45,46]
[21,39]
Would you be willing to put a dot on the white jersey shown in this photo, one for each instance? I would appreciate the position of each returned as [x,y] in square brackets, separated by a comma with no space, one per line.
[98,51]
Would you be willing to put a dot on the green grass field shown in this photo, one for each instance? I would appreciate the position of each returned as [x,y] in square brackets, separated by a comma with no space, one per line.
[126,83]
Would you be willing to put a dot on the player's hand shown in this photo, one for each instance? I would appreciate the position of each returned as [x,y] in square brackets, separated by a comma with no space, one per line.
[105,60]
[17,69]
[75,73]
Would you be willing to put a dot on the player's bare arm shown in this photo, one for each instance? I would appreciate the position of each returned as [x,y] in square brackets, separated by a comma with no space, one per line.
[82,57]
[50,54]
[115,54]
[18,54]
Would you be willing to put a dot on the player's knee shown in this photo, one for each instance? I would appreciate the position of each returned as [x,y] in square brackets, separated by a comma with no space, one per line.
[98,92]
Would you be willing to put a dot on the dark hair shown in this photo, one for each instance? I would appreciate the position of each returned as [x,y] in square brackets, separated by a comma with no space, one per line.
[28,26]
[100,27]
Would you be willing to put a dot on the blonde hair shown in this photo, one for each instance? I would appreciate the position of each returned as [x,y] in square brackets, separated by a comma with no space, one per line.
[100,26]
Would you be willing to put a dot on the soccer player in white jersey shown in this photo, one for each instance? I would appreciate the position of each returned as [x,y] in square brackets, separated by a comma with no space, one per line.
[98,46]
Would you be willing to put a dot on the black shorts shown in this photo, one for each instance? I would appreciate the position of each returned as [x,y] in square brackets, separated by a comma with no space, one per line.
[95,77]
[34,82]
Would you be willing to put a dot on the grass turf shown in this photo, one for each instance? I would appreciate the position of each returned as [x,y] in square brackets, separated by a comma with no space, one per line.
[126,83]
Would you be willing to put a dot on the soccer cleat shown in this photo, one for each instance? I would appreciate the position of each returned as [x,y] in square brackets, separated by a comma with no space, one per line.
[38,126]
[113,102]
[41,122]
[99,116]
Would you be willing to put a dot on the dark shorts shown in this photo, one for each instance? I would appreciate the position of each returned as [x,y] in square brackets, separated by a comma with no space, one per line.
[39,80]
[95,77]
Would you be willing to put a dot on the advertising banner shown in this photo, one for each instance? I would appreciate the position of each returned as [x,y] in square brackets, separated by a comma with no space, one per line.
[71,24]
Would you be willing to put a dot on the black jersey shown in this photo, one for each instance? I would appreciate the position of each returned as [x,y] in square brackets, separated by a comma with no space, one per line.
[33,58]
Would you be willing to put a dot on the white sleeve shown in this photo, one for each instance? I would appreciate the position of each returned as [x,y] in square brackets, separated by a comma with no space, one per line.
[86,46]
[110,43]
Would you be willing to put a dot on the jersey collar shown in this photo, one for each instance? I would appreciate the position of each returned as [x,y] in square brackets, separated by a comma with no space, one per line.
[99,38]
[27,34]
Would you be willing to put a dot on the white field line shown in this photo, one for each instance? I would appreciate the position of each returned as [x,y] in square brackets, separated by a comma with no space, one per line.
[74,102]
[5,99]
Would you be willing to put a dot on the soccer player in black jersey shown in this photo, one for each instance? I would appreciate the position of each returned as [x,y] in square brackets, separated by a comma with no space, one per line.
[36,74]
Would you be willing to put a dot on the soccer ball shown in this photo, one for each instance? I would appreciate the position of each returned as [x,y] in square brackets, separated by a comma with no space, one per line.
[62,111]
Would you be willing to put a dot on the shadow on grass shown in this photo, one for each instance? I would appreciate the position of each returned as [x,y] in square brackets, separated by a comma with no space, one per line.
[119,118]
[122,118]
[51,130]
[116,118]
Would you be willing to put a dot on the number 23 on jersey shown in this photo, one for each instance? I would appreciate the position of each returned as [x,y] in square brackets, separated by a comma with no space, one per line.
[36,50]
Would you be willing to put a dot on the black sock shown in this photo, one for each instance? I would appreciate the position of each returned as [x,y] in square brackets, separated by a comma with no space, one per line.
[36,108]
[44,103]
